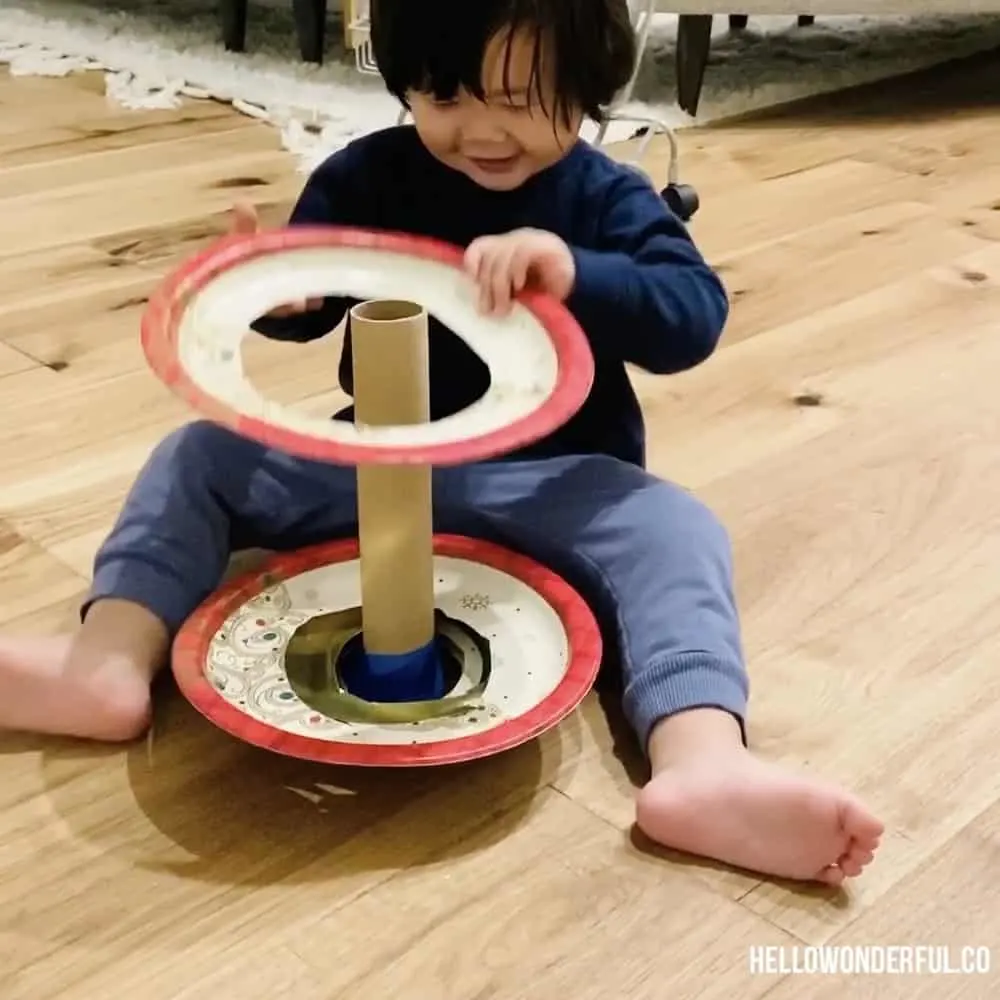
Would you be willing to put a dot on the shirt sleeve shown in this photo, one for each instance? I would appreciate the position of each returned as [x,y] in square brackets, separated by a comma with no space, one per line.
[647,295]
[333,195]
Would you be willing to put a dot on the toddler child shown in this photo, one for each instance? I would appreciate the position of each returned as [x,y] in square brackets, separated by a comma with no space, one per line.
[498,90]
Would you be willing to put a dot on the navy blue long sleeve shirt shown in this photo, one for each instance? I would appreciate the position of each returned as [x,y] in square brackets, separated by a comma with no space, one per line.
[644,294]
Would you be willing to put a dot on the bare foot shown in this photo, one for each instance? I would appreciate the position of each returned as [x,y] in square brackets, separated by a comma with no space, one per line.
[725,804]
[46,688]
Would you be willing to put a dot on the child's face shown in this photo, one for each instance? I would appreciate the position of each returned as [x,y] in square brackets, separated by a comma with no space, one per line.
[499,144]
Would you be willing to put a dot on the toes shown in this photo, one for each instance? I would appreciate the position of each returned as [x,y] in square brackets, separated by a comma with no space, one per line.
[831,875]
[850,867]
[855,860]
[860,825]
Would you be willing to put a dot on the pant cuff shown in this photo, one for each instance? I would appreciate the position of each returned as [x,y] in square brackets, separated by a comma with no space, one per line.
[150,586]
[681,683]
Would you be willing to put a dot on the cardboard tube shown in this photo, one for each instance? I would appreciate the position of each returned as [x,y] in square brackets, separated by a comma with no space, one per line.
[395,527]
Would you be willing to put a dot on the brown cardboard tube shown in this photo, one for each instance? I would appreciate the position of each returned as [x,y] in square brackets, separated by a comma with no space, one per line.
[395,528]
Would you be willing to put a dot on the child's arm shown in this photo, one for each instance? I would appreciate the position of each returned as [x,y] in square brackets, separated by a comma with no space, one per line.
[335,194]
[648,289]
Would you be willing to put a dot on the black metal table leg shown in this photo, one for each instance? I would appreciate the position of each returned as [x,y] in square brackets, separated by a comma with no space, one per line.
[310,25]
[233,14]
[694,42]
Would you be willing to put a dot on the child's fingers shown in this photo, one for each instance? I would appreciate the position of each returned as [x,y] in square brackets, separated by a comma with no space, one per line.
[510,275]
[485,296]
[485,264]
[493,277]
[295,308]
[500,284]
[243,219]
[281,312]
[500,267]
[474,258]
[520,268]
[478,265]
[490,283]
[478,262]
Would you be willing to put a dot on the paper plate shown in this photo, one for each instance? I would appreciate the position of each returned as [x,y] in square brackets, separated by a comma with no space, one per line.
[543,651]
[540,362]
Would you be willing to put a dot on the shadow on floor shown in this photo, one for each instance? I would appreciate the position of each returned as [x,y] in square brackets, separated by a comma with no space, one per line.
[194,802]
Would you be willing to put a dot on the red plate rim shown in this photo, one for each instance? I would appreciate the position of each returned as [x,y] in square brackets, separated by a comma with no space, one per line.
[190,653]
[163,313]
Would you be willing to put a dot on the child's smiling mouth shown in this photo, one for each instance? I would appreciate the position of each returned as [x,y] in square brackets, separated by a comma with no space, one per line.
[493,164]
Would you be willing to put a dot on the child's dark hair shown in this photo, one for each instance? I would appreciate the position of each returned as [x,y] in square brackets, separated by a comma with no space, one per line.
[437,47]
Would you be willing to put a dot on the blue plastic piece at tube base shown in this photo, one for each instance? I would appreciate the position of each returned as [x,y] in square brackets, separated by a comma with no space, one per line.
[416,676]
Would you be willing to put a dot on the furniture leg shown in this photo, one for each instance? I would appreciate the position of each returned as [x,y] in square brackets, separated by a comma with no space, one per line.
[806,20]
[737,22]
[310,25]
[694,41]
[234,24]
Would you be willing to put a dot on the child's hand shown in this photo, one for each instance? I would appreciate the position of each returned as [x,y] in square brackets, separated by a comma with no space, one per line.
[244,222]
[505,265]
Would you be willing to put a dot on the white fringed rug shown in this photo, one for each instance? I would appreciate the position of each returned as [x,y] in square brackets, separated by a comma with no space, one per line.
[154,52]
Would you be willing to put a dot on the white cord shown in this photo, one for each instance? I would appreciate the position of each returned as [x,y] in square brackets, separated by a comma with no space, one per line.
[643,22]
[643,28]
[654,127]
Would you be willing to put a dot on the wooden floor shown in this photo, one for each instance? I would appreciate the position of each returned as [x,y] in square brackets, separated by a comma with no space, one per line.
[849,435]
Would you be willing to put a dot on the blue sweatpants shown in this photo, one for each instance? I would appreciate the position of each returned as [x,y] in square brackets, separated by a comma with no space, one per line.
[653,562]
